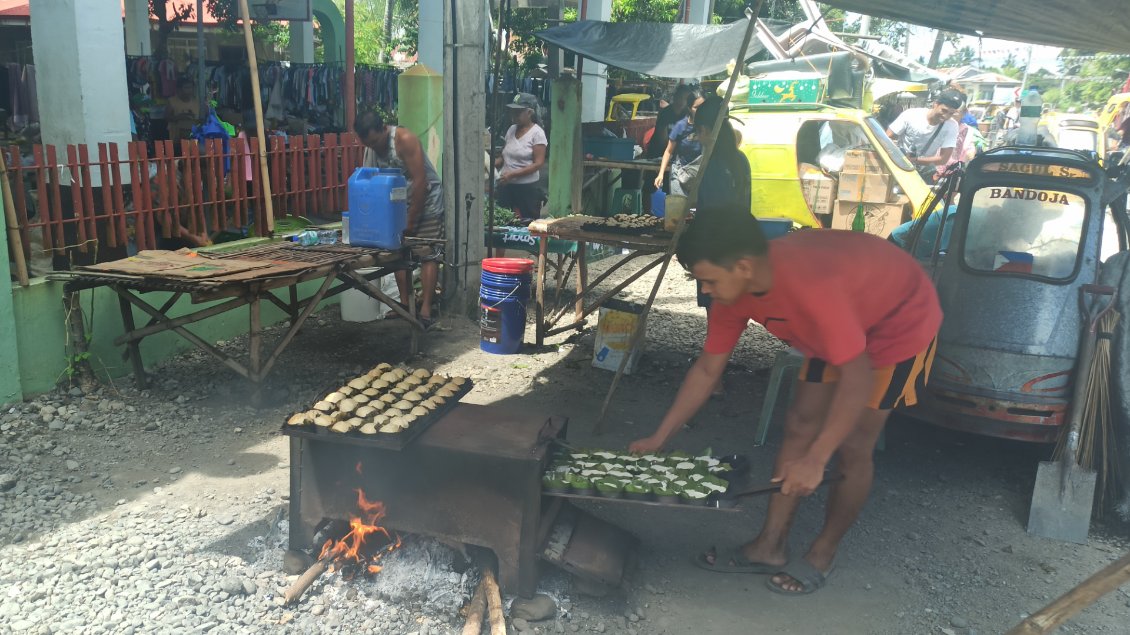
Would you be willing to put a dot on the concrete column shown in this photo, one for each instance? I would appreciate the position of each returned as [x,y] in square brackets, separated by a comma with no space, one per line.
[699,11]
[82,90]
[138,39]
[594,86]
[464,121]
[429,47]
[302,42]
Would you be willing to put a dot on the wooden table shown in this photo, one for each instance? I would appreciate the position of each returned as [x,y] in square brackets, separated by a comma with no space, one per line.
[287,265]
[569,228]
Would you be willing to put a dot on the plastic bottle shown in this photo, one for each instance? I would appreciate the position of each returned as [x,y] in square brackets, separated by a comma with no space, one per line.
[1031,108]
[312,237]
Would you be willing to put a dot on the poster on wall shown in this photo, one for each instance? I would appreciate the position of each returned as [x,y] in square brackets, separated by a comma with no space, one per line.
[266,10]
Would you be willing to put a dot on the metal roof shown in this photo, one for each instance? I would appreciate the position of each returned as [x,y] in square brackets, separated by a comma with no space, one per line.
[1097,25]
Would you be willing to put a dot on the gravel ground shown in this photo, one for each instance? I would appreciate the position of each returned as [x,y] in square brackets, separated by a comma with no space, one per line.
[164,510]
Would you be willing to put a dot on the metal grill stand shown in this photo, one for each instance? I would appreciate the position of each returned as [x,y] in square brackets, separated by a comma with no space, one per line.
[473,477]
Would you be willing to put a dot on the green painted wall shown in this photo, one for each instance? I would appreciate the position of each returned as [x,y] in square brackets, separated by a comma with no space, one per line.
[41,329]
[421,109]
[332,30]
[9,356]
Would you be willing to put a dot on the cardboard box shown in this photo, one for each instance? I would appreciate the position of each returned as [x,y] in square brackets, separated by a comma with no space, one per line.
[881,218]
[819,192]
[869,188]
[614,330]
[863,162]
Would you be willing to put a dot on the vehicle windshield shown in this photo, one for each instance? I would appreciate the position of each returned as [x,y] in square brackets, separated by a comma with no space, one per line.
[1021,230]
[1086,140]
[889,146]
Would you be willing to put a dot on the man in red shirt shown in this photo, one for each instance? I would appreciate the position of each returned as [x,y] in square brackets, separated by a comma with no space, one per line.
[865,316]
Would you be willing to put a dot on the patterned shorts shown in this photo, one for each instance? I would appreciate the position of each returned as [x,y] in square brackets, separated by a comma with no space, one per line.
[429,227]
[895,386]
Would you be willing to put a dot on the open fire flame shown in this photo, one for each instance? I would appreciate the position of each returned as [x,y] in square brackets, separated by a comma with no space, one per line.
[355,551]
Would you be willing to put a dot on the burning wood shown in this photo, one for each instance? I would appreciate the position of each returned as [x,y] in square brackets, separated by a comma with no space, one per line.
[353,553]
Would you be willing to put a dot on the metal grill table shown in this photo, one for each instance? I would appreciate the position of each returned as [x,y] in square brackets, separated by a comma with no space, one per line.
[284,266]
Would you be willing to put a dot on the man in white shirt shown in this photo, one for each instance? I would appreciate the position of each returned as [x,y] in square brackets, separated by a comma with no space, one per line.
[928,135]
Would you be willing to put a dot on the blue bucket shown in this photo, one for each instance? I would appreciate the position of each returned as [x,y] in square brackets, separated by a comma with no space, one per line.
[503,295]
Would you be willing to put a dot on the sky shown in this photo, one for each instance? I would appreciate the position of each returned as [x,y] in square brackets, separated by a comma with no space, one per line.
[993,52]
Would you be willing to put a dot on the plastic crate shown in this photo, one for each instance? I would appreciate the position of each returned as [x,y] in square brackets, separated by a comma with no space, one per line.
[609,148]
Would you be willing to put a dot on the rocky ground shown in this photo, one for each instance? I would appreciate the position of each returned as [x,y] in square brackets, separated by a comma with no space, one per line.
[164,510]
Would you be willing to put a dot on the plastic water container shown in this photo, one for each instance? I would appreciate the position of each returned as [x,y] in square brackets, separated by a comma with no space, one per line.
[503,295]
[356,306]
[658,203]
[378,207]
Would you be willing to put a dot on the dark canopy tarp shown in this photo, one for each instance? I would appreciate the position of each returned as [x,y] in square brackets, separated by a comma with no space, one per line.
[1101,25]
[664,50]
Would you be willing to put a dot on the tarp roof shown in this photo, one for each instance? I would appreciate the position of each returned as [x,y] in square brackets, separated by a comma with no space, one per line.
[664,50]
[1101,25]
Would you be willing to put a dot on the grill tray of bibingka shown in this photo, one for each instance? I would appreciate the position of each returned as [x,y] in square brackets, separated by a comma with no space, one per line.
[386,407]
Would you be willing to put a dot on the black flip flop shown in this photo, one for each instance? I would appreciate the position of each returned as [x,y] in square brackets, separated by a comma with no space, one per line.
[807,576]
[734,562]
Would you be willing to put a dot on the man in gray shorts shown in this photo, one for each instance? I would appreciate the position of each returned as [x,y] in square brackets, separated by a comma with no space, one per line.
[396,147]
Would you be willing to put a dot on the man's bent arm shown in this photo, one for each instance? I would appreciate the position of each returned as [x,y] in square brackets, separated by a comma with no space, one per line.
[694,392]
[412,154]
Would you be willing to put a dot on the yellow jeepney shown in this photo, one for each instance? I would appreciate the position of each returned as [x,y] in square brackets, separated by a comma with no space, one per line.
[1073,131]
[782,140]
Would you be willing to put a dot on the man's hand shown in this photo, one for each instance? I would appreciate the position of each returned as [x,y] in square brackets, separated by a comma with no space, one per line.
[800,477]
[659,182]
[646,445]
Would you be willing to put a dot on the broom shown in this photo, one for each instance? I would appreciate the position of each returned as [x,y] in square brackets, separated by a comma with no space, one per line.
[1097,447]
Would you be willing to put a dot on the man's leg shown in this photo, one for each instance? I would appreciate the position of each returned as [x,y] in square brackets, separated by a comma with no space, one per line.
[847,496]
[404,285]
[803,422]
[429,277]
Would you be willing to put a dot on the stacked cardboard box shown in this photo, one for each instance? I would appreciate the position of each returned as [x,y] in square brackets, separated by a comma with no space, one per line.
[819,192]
[865,181]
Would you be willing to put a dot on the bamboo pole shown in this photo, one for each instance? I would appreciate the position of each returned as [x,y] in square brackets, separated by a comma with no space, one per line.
[1069,604]
[692,196]
[15,242]
[475,610]
[496,616]
[253,62]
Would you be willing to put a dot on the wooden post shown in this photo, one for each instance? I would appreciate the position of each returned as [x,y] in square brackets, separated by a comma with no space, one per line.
[692,194]
[350,87]
[1069,604]
[565,166]
[15,242]
[260,132]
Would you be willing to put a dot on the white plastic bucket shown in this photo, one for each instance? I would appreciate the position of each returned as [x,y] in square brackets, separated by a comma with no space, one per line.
[358,307]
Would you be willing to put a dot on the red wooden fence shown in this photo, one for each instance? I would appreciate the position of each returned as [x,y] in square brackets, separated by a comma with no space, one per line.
[75,200]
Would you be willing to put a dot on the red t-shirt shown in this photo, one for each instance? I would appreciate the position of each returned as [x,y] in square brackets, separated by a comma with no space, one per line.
[834,295]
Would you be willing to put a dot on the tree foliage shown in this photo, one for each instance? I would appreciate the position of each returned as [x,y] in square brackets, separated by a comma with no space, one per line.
[963,56]
[1091,78]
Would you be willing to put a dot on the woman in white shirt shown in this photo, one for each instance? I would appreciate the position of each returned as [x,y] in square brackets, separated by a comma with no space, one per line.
[522,159]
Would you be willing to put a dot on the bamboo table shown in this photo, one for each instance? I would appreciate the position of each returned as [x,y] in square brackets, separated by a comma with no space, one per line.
[286,266]
[569,228]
